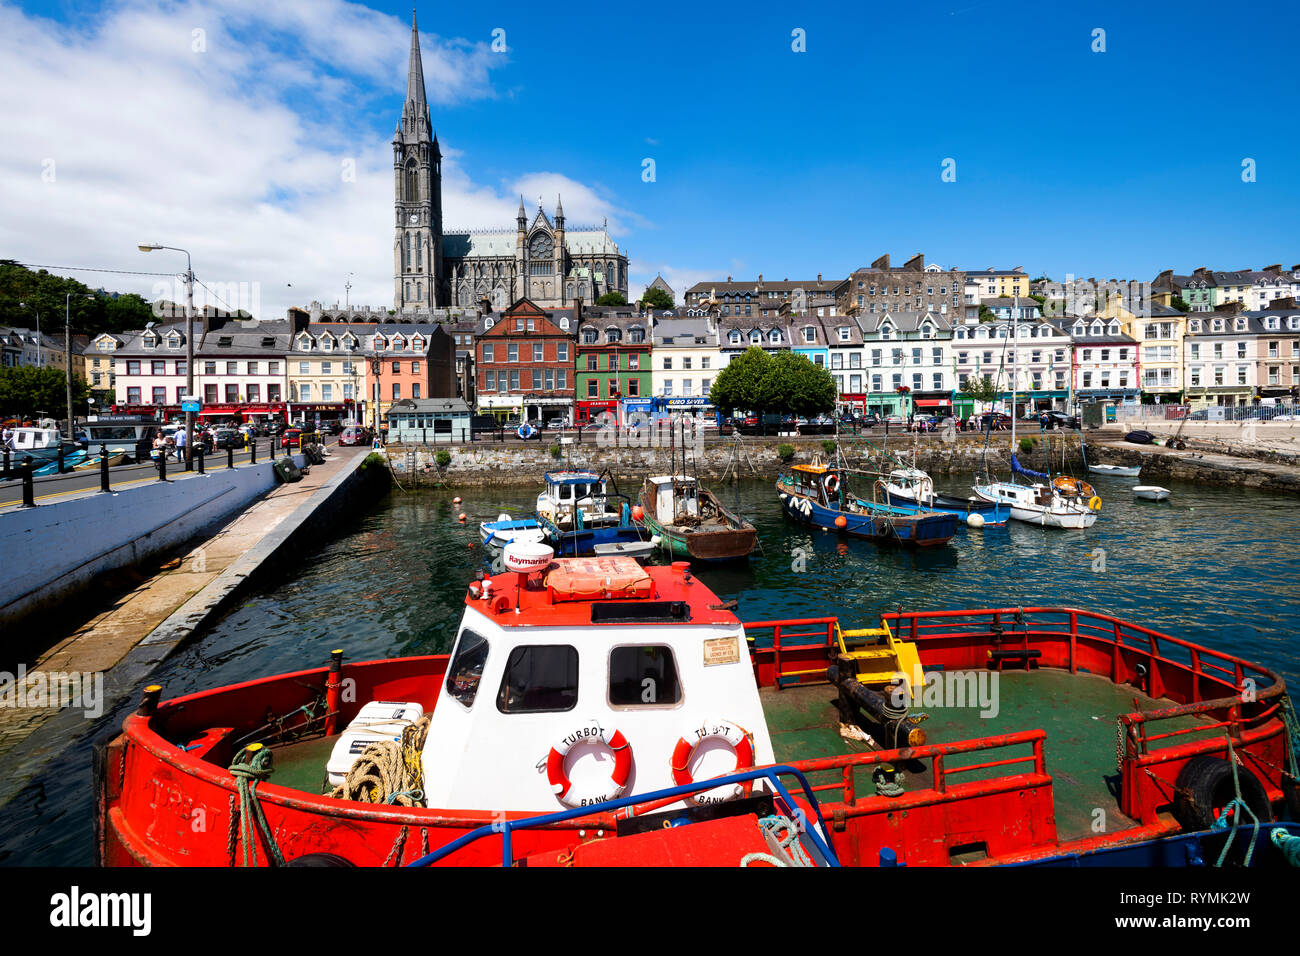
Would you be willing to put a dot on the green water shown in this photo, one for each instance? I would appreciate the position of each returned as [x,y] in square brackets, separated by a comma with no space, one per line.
[1218,566]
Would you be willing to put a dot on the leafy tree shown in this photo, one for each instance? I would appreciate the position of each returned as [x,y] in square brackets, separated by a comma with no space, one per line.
[28,391]
[656,298]
[980,389]
[612,298]
[46,293]
[740,384]
[1179,303]
[786,383]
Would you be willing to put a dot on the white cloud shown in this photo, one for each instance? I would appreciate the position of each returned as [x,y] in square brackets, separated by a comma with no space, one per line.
[120,132]
[641,274]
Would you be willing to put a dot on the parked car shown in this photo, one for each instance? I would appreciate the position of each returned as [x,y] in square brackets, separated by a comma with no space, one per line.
[330,427]
[353,435]
[557,423]
[1062,420]
[821,425]
[228,438]
[289,437]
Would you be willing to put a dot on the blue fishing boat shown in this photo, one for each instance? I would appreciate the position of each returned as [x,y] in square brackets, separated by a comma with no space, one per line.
[577,515]
[816,495]
[913,490]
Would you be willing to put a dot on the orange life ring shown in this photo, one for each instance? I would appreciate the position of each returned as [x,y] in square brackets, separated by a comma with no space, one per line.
[741,740]
[831,483]
[590,732]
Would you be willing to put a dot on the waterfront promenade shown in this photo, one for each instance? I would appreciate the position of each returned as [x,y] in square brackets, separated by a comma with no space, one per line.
[140,628]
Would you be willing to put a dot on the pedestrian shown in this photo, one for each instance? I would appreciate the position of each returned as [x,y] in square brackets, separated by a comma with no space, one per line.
[180,444]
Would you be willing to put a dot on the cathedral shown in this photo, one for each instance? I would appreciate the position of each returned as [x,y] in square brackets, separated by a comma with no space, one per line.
[434,268]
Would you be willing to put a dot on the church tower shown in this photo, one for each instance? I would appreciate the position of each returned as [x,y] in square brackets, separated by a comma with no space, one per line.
[417,183]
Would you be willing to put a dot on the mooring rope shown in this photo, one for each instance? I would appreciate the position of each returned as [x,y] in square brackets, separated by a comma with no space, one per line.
[389,772]
[252,765]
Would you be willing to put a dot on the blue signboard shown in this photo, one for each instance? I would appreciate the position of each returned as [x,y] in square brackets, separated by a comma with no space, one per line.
[192,405]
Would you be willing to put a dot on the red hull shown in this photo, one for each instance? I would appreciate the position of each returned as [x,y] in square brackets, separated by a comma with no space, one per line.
[161,804]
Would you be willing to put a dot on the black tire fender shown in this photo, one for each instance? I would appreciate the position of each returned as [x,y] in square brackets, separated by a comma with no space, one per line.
[1205,784]
[319,859]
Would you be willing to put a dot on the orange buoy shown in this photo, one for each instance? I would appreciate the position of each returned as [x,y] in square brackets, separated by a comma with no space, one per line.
[637,512]
[841,522]
[461,516]
[456,500]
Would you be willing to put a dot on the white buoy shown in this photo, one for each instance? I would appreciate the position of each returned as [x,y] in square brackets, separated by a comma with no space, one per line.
[503,517]
[975,520]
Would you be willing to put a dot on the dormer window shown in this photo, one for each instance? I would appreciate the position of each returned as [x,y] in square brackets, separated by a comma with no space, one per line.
[1114,328]
[378,343]
[774,337]
[756,337]
[417,344]
[174,340]
[636,334]
[927,331]
[589,336]
[150,341]
[327,343]
[734,338]
[1194,325]
[1241,325]
[398,343]
[612,336]
[564,324]
[304,343]
[1079,328]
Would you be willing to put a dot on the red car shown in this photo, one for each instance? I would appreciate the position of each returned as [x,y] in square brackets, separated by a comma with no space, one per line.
[290,437]
[354,435]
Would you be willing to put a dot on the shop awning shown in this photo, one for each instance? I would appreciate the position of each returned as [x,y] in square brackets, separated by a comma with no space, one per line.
[933,402]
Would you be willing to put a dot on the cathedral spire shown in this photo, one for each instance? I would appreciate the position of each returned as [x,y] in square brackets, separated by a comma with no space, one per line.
[415,100]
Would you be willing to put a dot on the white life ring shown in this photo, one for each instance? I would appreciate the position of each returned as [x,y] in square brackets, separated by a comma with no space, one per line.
[832,484]
[589,732]
[741,740]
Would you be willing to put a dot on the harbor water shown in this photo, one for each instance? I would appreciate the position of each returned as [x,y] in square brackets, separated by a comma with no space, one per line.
[1214,565]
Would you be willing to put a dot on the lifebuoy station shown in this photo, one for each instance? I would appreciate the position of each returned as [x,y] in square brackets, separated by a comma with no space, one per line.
[594,712]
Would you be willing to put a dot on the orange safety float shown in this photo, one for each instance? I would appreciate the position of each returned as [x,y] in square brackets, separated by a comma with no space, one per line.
[740,739]
[590,732]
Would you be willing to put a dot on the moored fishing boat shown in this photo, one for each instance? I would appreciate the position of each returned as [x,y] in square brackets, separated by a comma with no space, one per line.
[913,489]
[818,495]
[1151,492]
[692,523]
[542,708]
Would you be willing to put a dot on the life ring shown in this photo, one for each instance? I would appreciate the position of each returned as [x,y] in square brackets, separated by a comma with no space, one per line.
[1094,503]
[590,732]
[741,740]
[831,483]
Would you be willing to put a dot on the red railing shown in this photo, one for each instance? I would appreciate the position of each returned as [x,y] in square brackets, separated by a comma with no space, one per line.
[1207,685]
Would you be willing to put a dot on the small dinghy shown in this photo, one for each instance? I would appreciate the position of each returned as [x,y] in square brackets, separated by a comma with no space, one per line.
[505,530]
[627,549]
[1151,492]
[1119,471]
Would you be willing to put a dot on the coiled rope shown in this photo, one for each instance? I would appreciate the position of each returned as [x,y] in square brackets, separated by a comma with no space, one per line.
[389,772]
[252,765]
[1289,844]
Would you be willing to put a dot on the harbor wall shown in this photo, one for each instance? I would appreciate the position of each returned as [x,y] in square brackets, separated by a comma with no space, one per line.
[482,463]
[53,552]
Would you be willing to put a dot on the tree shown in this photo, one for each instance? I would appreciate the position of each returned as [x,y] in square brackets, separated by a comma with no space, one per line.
[28,391]
[656,298]
[787,384]
[43,292]
[1180,304]
[980,389]
[987,314]
[612,298]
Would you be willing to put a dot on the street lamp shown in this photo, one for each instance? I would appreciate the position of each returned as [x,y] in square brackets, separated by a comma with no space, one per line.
[377,366]
[67,354]
[189,339]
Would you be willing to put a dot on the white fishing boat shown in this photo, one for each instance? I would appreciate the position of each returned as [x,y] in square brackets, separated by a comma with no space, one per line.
[41,443]
[1119,471]
[1064,503]
[1151,492]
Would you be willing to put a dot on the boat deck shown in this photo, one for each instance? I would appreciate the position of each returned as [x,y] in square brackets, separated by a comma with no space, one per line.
[1078,713]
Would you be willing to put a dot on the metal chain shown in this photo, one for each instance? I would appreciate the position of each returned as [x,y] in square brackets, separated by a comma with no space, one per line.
[394,855]
[232,829]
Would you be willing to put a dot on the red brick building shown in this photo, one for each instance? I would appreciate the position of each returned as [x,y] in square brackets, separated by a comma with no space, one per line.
[525,362]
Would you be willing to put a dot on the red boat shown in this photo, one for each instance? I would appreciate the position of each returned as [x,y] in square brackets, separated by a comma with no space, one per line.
[590,706]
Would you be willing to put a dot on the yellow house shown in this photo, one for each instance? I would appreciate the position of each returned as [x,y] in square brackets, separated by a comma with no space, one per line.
[993,283]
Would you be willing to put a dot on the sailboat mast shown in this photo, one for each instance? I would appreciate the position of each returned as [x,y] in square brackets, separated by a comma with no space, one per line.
[1015,360]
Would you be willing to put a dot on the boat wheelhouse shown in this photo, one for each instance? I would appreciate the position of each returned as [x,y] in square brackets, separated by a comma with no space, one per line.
[959,737]
[581,516]
[817,495]
[40,443]
[913,489]
[692,523]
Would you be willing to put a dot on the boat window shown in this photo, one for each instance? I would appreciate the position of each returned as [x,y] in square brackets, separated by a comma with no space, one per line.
[643,677]
[539,679]
[467,667]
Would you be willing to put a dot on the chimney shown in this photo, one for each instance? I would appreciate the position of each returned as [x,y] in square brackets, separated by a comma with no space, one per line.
[298,320]
[1199,270]
[1275,267]
[882,263]
[819,277]
[916,263]
[728,278]
[760,280]
[577,313]
[1286,302]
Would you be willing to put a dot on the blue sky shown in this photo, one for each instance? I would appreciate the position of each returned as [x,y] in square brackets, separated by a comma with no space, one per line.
[1118,163]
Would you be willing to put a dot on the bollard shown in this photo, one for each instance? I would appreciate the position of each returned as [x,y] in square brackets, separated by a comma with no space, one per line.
[6,473]
[252,451]
[62,469]
[103,468]
[230,456]
[162,465]
[149,700]
[199,452]
[29,488]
